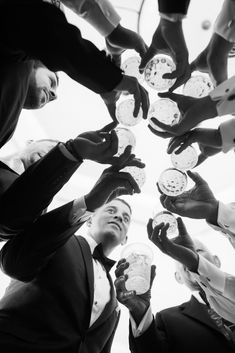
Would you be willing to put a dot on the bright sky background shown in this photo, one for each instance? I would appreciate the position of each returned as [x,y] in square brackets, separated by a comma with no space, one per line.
[79,109]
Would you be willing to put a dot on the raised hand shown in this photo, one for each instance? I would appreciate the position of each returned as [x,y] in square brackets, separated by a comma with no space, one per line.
[169,39]
[129,85]
[137,304]
[198,202]
[214,59]
[213,137]
[123,38]
[193,111]
[181,248]
[202,136]
[113,183]
[98,135]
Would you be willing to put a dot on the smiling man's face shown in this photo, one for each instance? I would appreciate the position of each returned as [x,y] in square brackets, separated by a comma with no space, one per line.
[110,223]
[42,87]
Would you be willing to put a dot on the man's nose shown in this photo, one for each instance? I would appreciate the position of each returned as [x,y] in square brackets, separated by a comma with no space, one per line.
[118,217]
[53,95]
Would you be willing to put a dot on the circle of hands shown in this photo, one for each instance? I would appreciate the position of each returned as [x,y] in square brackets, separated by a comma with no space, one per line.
[199,201]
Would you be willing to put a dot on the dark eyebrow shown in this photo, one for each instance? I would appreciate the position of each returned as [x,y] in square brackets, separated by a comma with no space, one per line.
[113,207]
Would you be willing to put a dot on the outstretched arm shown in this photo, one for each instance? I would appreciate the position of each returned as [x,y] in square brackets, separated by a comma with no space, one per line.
[58,44]
[32,191]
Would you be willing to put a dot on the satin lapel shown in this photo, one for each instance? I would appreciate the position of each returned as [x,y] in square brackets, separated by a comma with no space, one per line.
[86,253]
[110,307]
[199,312]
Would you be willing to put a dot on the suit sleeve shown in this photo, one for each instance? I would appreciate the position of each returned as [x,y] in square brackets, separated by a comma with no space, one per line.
[153,340]
[33,190]
[227,132]
[101,14]
[224,96]
[28,252]
[41,31]
[173,6]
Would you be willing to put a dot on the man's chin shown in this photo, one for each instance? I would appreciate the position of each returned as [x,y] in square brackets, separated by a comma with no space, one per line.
[111,232]
[31,105]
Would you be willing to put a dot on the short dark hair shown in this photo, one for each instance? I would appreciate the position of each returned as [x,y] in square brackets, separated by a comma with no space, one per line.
[123,201]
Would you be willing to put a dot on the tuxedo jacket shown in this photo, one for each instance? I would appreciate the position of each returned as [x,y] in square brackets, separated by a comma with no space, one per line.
[32,30]
[173,6]
[24,197]
[185,328]
[48,307]
[38,30]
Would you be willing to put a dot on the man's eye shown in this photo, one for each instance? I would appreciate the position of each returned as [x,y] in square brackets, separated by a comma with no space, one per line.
[111,210]
[126,219]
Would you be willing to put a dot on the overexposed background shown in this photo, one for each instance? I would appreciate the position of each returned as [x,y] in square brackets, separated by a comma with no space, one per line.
[79,109]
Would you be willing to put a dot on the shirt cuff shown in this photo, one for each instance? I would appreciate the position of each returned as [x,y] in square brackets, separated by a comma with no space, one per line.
[66,152]
[211,275]
[227,132]
[173,17]
[225,22]
[79,211]
[101,15]
[226,216]
[144,324]
[225,95]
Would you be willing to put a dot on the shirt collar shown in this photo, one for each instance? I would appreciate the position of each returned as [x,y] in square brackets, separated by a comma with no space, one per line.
[198,297]
[91,242]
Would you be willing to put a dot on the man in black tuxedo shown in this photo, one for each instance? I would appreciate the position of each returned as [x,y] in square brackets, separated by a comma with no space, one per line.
[35,42]
[189,327]
[61,298]
[24,197]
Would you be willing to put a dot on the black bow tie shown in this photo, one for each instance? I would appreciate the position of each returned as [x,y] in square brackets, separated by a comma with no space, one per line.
[98,254]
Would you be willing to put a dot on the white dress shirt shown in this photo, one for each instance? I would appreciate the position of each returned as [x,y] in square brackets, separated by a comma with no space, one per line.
[219,288]
[226,221]
[101,285]
[224,95]
[101,14]
[227,132]
[143,325]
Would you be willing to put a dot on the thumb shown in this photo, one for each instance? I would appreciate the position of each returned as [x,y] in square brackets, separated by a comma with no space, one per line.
[151,52]
[141,48]
[201,159]
[109,127]
[174,74]
[150,227]
[173,96]
[193,65]
[181,227]
[152,275]
[198,180]
[112,112]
